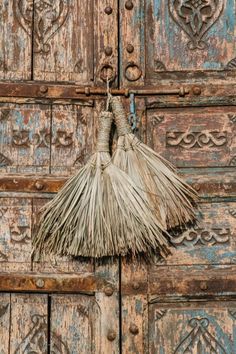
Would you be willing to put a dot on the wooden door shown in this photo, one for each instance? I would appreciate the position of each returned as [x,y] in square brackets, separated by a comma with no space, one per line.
[60,305]
[186,303]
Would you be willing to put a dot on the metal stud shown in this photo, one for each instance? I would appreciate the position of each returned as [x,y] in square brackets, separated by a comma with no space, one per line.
[129,5]
[203,286]
[108,291]
[39,283]
[136,285]
[39,186]
[130,48]
[108,51]
[197,90]
[43,89]
[111,335]
[108,10]
[133,329]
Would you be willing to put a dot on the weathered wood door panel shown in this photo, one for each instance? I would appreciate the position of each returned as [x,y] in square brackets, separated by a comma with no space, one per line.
[167,39]
[58,40]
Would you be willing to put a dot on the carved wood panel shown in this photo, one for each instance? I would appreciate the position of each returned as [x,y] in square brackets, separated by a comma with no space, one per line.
[211,241]
[197,328]
[24,138]
[161,39]
[195,137]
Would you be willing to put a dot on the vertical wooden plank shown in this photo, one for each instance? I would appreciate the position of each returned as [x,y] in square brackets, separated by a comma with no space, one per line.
[72,137]
[15,234]
[4,323]
[29,330]
[108,304]
[72,319]
[63,41]
[134,308]
[24,138]
[106,41]
[132,63]
[16,39]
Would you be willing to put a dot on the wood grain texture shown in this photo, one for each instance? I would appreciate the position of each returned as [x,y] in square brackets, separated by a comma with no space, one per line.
[25,138]
[4,323]
[72,322]
[197,137]
[16,40]
[15,231]
[28,331]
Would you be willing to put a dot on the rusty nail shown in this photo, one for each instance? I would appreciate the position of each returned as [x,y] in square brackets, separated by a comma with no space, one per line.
[130,48]
[43,89]
[129,5]
[108,10]
[111,335]
[39,283]
[108,50]
[197,186]
[203,285]
[39,186]
[197,90]
[136,285]
[108,290]
[133,329]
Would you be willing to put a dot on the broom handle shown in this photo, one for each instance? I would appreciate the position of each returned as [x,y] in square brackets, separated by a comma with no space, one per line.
[105,121]
[122,124]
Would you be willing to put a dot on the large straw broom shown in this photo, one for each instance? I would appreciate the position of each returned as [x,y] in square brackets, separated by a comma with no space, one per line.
[99,212]
[172,198]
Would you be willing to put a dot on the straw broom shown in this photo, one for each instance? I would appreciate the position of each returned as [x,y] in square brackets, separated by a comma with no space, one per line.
[99,212]
[172,198]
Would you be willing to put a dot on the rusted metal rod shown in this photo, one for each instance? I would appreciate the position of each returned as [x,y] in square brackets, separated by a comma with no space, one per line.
[68,91]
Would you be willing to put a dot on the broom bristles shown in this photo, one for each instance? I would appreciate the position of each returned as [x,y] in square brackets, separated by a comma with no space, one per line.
[99,212]
[172,198]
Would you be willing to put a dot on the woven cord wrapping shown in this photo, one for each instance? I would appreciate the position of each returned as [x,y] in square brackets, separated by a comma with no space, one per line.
[105,121]
[122,124]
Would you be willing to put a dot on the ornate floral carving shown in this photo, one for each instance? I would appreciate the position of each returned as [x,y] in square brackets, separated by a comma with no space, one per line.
[189,140]
[4,161]
[36,340]
[48,17]
[204,237]
[199,339]
[20,234]
[23,138]
[3,257]
[196,17]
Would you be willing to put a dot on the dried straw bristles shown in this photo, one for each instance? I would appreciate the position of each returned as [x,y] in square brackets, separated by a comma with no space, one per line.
[172,198]
[99,212]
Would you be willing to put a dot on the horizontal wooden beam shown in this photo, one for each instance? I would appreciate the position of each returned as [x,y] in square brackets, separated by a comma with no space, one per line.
[212,186]
[54,283]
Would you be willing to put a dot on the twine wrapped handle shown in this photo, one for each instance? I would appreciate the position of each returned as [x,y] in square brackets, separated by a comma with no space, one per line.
[122,124]
[105,121]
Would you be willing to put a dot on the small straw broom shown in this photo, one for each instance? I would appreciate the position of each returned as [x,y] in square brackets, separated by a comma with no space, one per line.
[172,198]
[99,212]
